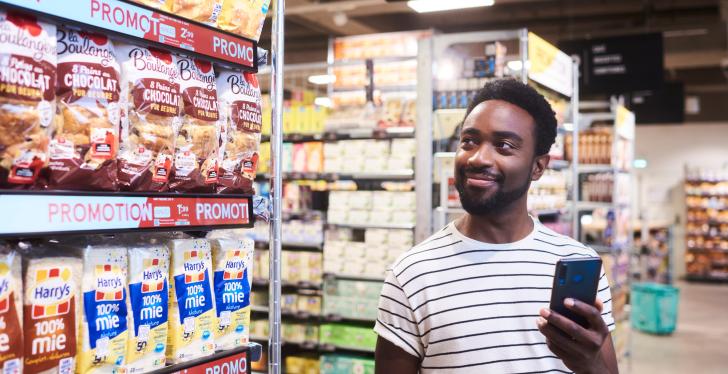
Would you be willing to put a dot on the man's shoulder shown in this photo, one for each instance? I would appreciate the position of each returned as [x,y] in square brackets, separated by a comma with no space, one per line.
[426,249]
[548,237]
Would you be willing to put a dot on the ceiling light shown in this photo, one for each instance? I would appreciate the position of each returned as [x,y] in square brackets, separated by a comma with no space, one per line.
[639,163]
[322,79]
[323,101]
[425,6]
[340,19]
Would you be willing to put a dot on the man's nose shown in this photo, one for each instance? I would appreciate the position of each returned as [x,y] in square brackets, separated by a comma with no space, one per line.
[483,157]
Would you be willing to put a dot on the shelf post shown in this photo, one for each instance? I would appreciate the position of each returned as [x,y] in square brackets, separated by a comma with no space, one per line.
[575,148]
[276,144]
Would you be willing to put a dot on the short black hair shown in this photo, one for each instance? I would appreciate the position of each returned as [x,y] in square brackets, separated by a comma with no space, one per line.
[526,98]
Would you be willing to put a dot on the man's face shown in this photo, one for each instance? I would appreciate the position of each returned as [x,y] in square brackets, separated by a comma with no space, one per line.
[496,160]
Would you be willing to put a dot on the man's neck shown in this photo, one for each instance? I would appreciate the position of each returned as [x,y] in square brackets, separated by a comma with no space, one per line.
[507,226]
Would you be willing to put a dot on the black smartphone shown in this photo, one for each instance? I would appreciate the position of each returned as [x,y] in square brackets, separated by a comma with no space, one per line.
[577,278]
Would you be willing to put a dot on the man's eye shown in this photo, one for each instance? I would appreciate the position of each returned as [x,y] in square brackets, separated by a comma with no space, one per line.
[505,145]
[467,141]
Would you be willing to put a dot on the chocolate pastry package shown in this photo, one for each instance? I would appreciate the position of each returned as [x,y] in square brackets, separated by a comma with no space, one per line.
[83,149]
[243,17]
[150,117]
[196,149]
[241,109]
[205,11]
[27,98]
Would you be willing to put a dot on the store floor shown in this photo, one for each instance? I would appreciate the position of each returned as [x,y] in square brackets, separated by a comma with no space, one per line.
[699,343]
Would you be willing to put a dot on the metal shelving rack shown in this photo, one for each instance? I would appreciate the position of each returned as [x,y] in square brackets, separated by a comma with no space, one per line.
[201,41]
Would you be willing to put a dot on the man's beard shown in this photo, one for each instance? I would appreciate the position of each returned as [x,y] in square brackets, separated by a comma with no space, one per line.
[496,203]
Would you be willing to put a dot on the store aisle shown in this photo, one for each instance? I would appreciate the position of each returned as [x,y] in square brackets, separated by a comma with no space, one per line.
[699,343]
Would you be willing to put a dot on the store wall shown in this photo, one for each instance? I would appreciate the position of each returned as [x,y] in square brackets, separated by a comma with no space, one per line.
[668,149]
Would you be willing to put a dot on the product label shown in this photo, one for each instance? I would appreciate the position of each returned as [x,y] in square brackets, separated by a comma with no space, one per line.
[210,170]
[105,309]
[185,162]
[162,167]
[11,335]
[61,149]
[246,116]
[22,78]
[192,288]
[26,167]
[79,81]
[198,89]
[149,303]
[157,96]
[49,322]
[103,142]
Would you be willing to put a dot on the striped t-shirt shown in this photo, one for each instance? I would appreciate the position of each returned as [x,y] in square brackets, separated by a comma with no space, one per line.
[465,306]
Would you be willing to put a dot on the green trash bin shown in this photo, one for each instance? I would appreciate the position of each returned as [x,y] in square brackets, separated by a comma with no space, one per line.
[654,307]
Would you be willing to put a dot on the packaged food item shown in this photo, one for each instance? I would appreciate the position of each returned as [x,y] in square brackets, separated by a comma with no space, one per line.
[103,336]
[233,261]
[150,116]
[191,304]
[243,17]
[205,11]
[196,149]
[11,331]
[83,149]
[27,97]
[148,307]
[240,109]
[51,310]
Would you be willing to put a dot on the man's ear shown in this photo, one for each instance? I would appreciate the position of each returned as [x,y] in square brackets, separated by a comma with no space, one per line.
[539,166]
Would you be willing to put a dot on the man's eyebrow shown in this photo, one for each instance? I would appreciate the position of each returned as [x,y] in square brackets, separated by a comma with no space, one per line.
[470,131]
[508,135]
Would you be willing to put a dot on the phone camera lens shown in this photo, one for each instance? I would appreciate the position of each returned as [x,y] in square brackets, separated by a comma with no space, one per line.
[578,278]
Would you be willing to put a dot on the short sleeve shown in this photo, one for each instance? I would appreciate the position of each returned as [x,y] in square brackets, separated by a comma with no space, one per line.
[395,320]
[604,294]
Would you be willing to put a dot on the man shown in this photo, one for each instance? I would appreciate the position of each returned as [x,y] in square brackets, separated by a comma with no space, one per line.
[474,297]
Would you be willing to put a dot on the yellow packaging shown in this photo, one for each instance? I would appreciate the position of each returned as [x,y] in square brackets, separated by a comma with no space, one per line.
[148,305]
[11,311]
[233,261]
[103,336]
[191,303]
[243,17]
[205,11]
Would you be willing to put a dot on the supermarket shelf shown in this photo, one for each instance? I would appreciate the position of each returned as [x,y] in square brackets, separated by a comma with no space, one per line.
[373,226]
[703,249]
[599,168]
[284,283]
[705,194]
[287,245]
[335,348]
[717,207]
[558,164]
[163,29]
[706,278]
[40,213]
[349,134]
[599,205]
[354,277]
[300,345]
[708,236]
[602,249]
[252,350]
[404,174]
[380,88]
[339,318]
[259,308]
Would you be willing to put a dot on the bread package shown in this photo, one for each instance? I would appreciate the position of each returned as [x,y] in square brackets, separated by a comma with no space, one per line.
[83,149]
[196,149]
[233,263]
[148,308]
[51,310]
[191,304]
[27,97]
[243,17]
[205,11]
[11,302]
[150,116]
[240,109]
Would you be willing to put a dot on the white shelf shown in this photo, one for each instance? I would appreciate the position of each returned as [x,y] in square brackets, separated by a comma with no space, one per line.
[374,226]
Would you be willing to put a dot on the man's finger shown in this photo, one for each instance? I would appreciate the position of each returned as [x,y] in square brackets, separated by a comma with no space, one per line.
[569,327]
[592,313]
[599,305]
[558,338]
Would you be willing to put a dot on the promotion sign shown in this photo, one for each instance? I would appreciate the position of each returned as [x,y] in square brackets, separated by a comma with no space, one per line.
[549,66]
[145,23]
[234,364]
[48,213]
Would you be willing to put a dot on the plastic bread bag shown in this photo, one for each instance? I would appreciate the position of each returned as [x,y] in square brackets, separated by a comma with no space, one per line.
[102,341]
[51,308]
[233,264]
[148,306]
[243,17]
[11,312]
[240,109]
[191,304]
[205,11]
[156,4]
[83,148]
[197,146]
[151,105]
[27,98]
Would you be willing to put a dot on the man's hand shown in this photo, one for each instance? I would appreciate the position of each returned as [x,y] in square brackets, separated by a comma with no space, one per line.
[584,351]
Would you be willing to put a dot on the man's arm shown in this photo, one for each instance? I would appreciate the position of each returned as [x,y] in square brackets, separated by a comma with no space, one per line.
[389,358]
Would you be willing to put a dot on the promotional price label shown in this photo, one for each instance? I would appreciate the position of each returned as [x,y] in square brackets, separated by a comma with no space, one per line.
[234,364]
[46,213]
[155,26]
